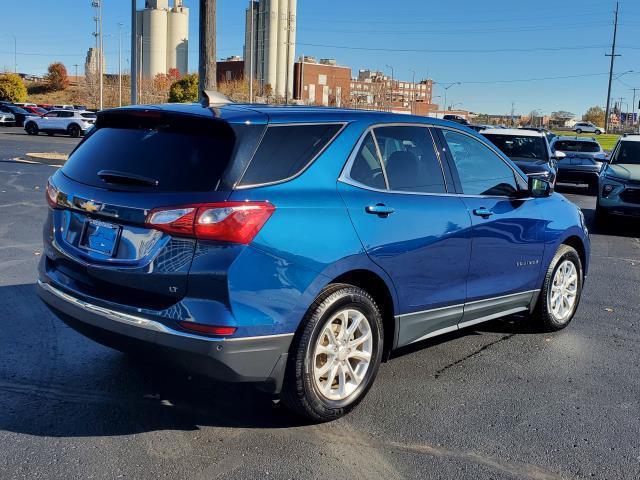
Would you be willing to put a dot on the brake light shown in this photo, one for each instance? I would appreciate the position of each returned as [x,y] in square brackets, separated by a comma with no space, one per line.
[236,222]
[208,329]
[52,194]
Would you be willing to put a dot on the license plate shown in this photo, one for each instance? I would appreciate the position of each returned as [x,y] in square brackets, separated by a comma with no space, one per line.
[100,237]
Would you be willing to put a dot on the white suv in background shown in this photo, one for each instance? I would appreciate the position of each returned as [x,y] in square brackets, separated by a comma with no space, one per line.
[68,122]
[587,127]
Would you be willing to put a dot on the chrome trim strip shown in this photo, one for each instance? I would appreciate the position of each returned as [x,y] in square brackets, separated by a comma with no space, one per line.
[237,186]
[141,322]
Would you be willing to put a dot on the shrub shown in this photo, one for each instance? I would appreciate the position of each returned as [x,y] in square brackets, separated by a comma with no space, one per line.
[12,88]
[184,90]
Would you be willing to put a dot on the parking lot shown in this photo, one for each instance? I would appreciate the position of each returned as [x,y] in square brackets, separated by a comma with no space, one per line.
[494,401]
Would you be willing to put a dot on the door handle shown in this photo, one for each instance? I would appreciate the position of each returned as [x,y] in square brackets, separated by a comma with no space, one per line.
[379,209]
[483,212]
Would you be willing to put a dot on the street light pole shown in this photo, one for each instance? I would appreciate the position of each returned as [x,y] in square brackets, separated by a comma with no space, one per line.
[251,40]
[120,64]
[392,80]
[133,64]
[413,92]
[15,54]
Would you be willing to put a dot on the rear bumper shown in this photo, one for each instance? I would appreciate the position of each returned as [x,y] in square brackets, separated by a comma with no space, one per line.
[255,359]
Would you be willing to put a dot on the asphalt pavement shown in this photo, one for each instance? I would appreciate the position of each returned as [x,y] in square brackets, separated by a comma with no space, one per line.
[498,401]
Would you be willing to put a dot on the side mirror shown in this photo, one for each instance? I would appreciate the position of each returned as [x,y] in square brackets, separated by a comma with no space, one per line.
[538,187]
[559,155]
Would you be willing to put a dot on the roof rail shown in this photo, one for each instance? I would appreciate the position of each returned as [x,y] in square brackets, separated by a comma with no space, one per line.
[214,98]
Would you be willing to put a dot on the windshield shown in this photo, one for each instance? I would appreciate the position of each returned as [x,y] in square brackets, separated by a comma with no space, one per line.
[18,110]
[576,146]
[628,153]
[522,147]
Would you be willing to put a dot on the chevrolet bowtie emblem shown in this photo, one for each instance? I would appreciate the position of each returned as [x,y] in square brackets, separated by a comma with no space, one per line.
[90,206]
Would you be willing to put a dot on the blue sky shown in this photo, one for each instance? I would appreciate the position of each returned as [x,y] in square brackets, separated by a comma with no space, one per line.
[494,48]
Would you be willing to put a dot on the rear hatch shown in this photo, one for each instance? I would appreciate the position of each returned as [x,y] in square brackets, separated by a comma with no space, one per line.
[134,162]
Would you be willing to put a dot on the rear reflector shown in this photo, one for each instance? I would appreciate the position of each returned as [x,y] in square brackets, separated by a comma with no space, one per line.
[208,329]
[236,222]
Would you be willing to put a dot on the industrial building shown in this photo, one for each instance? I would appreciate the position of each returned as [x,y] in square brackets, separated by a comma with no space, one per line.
[322,83]
[270,45]
[91,63]
[163,37]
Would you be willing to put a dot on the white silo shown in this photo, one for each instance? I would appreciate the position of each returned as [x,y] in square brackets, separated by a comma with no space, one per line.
[154,42]
[271,47]
[178,37]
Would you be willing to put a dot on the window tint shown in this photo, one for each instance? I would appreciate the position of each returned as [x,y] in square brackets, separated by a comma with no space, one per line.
[409,159]
[627,153]
[480,170]
[287,150]
[52,114]
[522,147]
[65,114]
[185,157]
[366,167]
[576,146]
[88,115]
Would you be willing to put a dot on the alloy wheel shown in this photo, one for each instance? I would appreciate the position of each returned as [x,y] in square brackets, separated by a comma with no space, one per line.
[563,293]
[342,354]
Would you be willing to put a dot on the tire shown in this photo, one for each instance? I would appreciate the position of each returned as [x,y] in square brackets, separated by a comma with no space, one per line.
[545,316]
[51,134]
[601,216]
[31,128]
[74,130]
[579,131]
[598,132]
[304,391]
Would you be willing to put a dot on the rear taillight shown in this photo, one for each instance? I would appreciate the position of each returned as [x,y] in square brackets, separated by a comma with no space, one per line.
[236,222]
[52,194]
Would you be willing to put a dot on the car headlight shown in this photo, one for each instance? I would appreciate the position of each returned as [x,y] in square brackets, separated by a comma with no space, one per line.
[607,189]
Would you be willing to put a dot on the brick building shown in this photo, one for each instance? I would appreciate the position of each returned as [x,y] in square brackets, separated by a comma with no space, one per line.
[321,83]
[229,69]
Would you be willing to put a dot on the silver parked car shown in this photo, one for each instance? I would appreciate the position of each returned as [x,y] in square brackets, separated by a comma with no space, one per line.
[582,162]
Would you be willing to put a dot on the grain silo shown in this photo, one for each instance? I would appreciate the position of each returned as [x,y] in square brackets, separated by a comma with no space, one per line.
[163,37]
[178,37]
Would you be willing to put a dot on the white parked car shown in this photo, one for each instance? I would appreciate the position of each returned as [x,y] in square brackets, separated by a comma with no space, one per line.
[68,122]
[7,119]
[587,127]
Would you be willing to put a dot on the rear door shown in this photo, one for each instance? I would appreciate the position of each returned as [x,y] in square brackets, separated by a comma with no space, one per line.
[508,232]
[396,194]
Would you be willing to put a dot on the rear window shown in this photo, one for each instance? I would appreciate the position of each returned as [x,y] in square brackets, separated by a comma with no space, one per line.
[576,146]
[287,150]
[181,156]
[88,115]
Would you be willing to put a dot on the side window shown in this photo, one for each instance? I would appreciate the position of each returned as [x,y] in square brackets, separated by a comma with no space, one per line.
[366,168]
[51,114]
[287,150]
[480,170]
[410,159]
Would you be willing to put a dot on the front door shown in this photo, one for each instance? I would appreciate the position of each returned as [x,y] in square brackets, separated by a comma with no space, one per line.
[508,232]
[396,195]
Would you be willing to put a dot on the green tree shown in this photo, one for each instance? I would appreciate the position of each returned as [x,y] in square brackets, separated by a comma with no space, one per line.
[594,115]
[56,77]
[184,90]
[12,88]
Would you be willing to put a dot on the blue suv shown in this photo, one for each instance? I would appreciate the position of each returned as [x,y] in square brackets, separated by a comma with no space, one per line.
[296,247]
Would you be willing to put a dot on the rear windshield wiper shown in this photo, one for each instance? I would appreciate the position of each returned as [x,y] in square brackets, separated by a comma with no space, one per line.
[124,178]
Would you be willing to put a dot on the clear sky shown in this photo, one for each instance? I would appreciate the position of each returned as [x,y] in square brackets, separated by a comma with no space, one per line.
[502,51]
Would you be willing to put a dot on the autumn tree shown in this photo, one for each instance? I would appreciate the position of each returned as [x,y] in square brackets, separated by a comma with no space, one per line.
[56,77]
[12,88]
[594,115]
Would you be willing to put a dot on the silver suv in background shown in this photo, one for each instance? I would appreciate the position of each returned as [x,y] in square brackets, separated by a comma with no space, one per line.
[587,127]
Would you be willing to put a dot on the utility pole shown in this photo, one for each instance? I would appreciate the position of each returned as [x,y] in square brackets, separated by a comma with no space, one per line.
[207,50]
[15,54]
[76,65]
[251,40]
[133,64]
[97,4]
[512,113]
[120,64]
[392,86]
[613,56]
[413,92]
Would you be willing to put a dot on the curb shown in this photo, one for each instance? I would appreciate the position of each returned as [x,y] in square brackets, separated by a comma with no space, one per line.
[45,160]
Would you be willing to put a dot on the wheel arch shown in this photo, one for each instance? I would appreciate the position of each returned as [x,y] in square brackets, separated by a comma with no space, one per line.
[382,293]
[576,243]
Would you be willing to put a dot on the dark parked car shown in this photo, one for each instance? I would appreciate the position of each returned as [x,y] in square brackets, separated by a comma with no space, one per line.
[529,149]
[456,119]
[298,246]
[19,113]
[583,161]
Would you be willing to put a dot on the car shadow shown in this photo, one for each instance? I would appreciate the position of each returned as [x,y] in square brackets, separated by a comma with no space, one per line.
[614,226]
[56,383]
